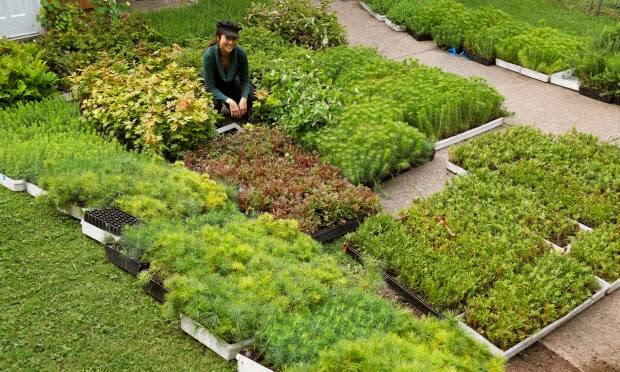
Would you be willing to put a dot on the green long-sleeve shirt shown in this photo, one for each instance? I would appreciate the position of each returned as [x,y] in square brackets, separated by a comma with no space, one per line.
[217,79]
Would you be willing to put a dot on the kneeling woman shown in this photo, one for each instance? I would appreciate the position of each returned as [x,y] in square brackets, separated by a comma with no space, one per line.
[226,71]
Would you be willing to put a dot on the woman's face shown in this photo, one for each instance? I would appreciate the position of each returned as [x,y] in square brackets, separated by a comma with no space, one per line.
[227,44]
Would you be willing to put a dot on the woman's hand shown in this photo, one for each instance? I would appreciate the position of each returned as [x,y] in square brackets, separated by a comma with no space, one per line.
[243,106]
[235,112]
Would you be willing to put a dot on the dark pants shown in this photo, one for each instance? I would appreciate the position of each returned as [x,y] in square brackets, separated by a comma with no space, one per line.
[233,91]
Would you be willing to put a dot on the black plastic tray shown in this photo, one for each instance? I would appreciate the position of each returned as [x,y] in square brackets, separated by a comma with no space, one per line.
[616,100]
[156,290]
[115,256]
[111,220]
[329,234]
[479,59]
[595,94]
[419,37]
[402,290]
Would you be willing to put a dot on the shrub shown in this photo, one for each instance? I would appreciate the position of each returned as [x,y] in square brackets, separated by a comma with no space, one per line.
[157,106]
[313,193]
[600,250]
[299,22]
[23,73]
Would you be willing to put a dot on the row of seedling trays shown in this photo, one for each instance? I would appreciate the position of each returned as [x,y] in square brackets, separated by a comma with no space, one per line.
[563,78]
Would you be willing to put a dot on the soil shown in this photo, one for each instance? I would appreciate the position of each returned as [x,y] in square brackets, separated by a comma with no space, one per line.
[393,296]
[538,358]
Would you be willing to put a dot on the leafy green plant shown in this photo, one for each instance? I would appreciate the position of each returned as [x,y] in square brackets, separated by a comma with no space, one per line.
[60,15]
[157,106]
[298,21]
[541,292]
[484,42]
[111,9]
[24,76]
[313,193]
[600,250]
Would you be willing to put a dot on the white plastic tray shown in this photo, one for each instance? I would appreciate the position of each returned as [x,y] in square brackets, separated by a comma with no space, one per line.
[535,75]
[613,286]
[229,127]
[565,79]
[507,65]
[11,184]
[516,349]
[453,168]
[98,234]
[73,211]
[34,190]
[470,133]
[245,364]
[205,337]
[394,26]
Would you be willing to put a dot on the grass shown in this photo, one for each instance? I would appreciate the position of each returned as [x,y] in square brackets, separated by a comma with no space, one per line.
[63,307]
[195,22]
[570,16]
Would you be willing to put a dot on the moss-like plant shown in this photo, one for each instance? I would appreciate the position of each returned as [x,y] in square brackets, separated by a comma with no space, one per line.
[600,250]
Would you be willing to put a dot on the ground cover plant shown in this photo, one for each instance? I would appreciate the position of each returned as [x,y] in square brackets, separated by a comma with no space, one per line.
[274,175]
[58,282]
[47,143]
[599,66]
[483,42]
[156,106]
[461,247]
[600,250]
[24,75]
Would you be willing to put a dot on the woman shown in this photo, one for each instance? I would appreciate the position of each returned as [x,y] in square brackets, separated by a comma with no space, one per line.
[226,71]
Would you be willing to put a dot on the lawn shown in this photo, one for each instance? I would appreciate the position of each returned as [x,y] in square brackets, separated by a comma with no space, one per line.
[572,18]
[64,307]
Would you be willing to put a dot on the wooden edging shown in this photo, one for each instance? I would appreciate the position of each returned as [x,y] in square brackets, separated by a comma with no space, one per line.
[468,134]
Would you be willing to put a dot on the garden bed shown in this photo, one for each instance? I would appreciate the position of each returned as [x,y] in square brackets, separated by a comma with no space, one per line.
[470,133]
[11,184]
[207,338]
[118,258]
[516,349]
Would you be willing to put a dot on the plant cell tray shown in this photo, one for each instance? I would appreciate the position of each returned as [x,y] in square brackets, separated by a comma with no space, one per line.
[34,190]
[229,129]
[11,184]
[508,65]
[468,134]
[390,176]
[453,168]
[479,59]
[565,79]
[156,290]
[613,286]
[394,26]
[402,290]
[111,220]
[595,94]
[329,234]
[245,364]
[616,100]
[97,234]
[115,256]
[516,349]
[419,37]
[73,211]
[207,338]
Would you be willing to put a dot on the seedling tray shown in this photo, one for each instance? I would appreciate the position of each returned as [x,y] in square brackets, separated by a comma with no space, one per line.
[479,59]
[565,79]
[535,75]
[156,290]
[508,65]
[111,220]
[229,129]
[115,256]
[453,168]
[329,234]
[97,234]
[11,184]
[613,286]
[245,364]
[398,173]
[516,349]
[595,94]
[394,26]
[468,134]
[34,190]
[616,100]
[210,340]
[419,37]
[73,211]
[402,290]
